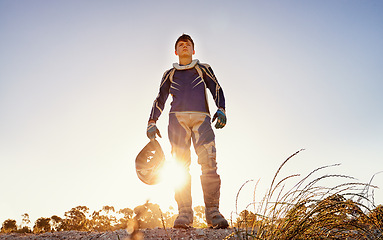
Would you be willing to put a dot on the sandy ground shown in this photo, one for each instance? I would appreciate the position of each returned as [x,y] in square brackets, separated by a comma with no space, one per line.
[151,234]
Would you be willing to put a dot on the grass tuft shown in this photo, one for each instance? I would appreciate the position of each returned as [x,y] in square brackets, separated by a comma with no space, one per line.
[311,210]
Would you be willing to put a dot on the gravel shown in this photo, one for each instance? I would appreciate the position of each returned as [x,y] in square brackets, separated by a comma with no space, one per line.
[146,234]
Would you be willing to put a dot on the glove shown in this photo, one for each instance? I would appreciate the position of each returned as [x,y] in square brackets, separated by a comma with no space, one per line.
[221,118]
[152,130]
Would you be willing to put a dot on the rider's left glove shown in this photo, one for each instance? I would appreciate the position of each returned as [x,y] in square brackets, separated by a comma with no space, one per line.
[221,118]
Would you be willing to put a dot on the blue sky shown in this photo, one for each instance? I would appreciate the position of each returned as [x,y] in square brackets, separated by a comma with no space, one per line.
[78,78]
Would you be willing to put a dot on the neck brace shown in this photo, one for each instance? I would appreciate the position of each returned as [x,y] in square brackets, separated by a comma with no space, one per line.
[184,67]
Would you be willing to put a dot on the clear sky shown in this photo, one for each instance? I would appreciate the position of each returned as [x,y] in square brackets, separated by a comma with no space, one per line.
[78,79]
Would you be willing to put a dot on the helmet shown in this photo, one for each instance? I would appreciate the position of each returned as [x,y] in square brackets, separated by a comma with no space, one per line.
[149,162]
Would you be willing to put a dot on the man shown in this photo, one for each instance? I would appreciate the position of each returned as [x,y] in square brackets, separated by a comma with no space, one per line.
[189,119]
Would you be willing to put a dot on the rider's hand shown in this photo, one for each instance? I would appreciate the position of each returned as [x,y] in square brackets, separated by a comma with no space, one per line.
[152,130]
[221,118]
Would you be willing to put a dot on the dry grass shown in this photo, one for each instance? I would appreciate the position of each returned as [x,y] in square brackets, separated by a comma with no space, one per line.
[310,210]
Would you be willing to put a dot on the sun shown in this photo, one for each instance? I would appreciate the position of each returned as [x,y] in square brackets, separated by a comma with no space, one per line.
[173,174]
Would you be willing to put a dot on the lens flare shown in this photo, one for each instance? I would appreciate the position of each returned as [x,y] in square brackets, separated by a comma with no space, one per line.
[173,174]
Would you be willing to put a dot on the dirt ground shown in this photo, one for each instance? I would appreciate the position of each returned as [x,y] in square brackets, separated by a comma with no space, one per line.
[144,234]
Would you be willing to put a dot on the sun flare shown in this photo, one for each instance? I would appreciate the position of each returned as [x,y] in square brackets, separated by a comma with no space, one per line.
[173,174]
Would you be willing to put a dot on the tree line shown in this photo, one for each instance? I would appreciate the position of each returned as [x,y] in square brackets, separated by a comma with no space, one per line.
[333,212]
[79,218]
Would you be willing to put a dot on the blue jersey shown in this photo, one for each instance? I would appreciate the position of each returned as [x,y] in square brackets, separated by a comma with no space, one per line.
[187,84]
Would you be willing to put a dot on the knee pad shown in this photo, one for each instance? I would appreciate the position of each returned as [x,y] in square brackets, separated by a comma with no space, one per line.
[182,155]
[207,158]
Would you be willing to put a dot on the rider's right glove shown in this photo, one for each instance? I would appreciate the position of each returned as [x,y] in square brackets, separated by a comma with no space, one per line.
[152,130]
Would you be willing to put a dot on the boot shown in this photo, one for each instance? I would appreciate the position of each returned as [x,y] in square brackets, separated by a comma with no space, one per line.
[211,185]
[184,218]
[184,202]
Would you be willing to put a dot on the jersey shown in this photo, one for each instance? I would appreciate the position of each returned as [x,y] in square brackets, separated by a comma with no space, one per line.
[187,85]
